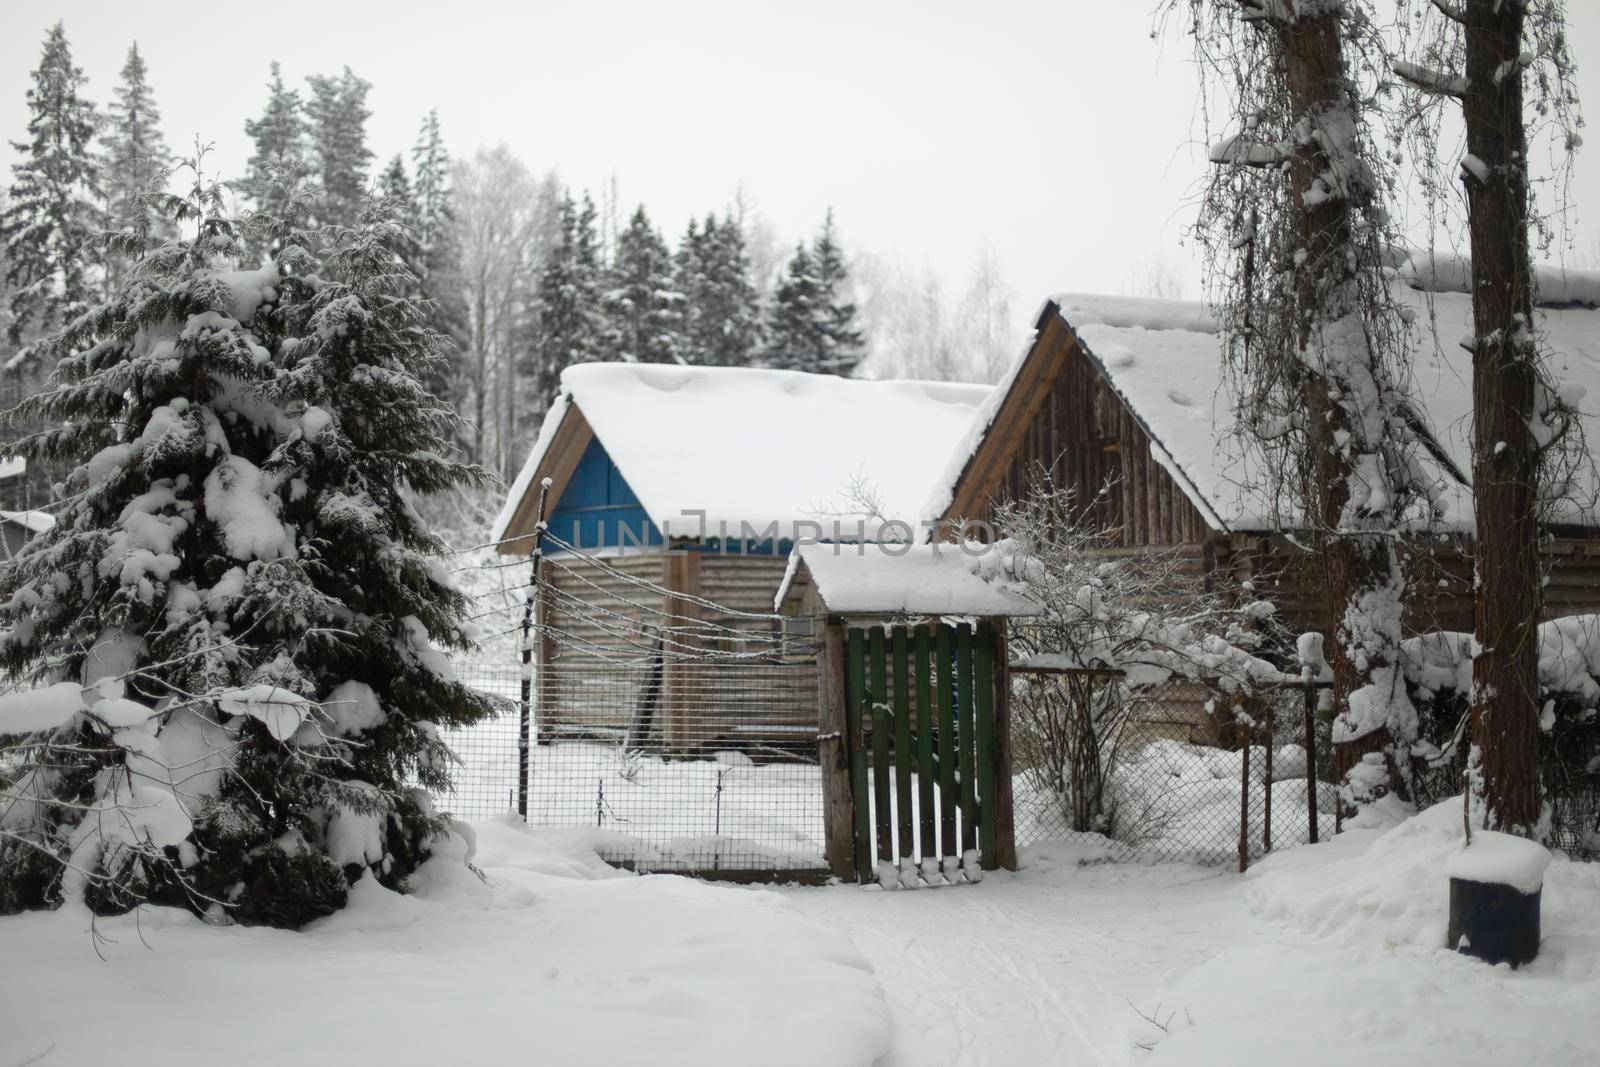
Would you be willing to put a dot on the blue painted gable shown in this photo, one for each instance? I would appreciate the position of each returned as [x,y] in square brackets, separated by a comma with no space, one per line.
[597,509]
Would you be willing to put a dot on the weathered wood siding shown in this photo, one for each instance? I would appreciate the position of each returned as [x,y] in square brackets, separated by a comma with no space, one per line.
[601,644]
[1071,430]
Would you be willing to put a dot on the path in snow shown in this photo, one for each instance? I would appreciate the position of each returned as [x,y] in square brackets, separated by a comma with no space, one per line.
[1043,967]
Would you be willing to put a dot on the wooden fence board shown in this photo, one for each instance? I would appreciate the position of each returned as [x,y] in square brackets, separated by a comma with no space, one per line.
[877,695]
[983,710]
[945,659]
[965,734]
[925,773]
[857,671]
[905,839]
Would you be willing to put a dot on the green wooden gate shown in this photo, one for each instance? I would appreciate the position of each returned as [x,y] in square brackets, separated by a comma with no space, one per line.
[926,751]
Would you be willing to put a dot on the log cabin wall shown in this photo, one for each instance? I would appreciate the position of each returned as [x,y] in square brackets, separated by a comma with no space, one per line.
[1077,434]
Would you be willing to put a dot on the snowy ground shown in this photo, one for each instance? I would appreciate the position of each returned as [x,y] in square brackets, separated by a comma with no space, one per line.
[1322,955]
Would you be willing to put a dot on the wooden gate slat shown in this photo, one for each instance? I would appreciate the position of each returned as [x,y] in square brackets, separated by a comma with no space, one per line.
[983,710]
[856,670]
[878,694]
[905,835]
[965,733]
[925,775]
[944,663]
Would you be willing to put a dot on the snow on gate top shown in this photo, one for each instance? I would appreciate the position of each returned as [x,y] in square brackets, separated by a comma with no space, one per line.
[1164,360]
[751,447]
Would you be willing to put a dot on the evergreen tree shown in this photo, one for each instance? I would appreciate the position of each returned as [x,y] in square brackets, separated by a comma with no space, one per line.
[247,679]
[642,309]
[438,266]
[431,163]
[811,326]
[53,204]
[281,155]
[722,309]
[136,160]
[338,117]
[569,324]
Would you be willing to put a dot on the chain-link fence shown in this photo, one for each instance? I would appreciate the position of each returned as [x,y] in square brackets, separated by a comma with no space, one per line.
[1177,770]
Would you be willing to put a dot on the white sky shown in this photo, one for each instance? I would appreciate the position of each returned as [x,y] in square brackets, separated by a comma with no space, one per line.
[1056,134]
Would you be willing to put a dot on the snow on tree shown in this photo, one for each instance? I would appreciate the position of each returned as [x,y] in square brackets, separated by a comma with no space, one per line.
[569,326]
[811,323]
[238,617]
[136,165]
[1522,450]
[643,311]
[1297,234]
[281,152]
[53,207]
[336,118]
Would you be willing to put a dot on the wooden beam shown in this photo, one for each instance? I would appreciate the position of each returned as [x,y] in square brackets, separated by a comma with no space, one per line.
[833,754]
[559,462]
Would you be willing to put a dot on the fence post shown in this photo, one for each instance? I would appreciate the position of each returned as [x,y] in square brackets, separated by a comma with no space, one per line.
[1244,789]
[525,717]
[1266,811]
[1311,756]
[833,755]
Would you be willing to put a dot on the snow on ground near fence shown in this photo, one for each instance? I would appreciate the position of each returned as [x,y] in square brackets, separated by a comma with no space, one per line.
[1354,969]
[560,959]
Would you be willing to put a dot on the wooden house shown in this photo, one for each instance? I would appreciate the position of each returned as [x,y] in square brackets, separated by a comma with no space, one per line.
[677,493]
[1123,401]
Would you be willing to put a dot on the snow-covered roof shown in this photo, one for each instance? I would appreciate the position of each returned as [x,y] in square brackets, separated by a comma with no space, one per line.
[36,522]
[12,466]
[1164,358]
[753,446]
[925,579]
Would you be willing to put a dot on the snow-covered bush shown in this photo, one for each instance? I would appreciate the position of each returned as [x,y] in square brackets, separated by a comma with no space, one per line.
[1438,671]
[1140,618]
[235,624]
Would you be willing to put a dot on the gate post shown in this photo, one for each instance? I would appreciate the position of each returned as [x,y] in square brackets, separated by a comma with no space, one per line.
[1005,833]
[833,756]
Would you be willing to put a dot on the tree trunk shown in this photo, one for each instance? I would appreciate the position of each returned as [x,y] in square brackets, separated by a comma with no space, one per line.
[1504,454]
[1361,568]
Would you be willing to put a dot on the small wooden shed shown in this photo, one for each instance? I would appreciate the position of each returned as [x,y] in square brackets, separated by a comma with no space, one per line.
[915,728]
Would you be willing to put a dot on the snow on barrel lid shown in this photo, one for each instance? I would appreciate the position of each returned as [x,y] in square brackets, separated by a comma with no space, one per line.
[928,579]
[1500,859]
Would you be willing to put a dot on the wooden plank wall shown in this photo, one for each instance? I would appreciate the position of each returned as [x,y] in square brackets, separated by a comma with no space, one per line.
[1080,436]
[703,702]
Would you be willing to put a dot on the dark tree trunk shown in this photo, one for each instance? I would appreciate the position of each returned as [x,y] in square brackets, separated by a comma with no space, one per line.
[1504,454]
[1355,562]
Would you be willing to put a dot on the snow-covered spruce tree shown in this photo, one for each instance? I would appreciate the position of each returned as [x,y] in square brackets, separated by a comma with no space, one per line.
[569,327]
[722,310]
[1478,52]
[643,312]
[337,116]
[280,156]
[1297,233]
[238,614]
[136,163]
[53,207]
[811,324]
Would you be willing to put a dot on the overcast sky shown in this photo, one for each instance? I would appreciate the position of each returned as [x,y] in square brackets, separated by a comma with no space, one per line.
[1055,134]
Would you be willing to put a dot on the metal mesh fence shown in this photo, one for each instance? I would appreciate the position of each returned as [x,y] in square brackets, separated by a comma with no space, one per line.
[486,776]
[1176,771]
[678,764]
